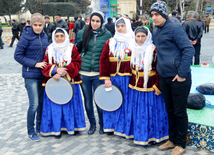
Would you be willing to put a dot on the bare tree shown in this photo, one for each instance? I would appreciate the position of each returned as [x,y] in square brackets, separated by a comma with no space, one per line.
[212,8]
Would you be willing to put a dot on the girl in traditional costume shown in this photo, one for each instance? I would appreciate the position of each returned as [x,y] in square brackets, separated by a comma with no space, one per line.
[149,112]
[63,60]
[115,69]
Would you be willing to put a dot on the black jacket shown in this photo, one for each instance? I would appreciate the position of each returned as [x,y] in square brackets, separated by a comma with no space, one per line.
[49,30]
[21,26]
[194,29]
[136,24]
[15,29]
[111,27]
[82,23]
[77,26]
[62,24]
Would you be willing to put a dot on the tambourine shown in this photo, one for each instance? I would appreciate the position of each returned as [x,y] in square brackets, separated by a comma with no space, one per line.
[108,99]
[59,92]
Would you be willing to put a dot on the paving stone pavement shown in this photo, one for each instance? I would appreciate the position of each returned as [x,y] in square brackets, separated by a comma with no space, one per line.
[13,131]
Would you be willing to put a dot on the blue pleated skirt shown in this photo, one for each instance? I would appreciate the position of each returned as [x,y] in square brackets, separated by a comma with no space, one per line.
[150,118]
[68,117]
[120,121]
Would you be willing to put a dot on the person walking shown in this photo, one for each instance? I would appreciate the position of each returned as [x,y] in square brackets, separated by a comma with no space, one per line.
[90,42]
[29,53]
[48,28]
[1,43]
[207,20]
[14,32]
[194,31]
[174,53]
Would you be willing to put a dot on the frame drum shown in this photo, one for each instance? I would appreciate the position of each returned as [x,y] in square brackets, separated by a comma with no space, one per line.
[59,92]
[108,100]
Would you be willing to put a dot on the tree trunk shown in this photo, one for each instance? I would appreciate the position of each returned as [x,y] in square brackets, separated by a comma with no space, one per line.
[181,9]
[176,6]
[197,4]
[212,9]
[10,19]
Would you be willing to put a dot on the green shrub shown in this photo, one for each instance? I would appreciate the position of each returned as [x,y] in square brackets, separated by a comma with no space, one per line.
[65,9]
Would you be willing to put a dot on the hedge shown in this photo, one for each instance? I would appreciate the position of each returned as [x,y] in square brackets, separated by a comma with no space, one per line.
[65,9]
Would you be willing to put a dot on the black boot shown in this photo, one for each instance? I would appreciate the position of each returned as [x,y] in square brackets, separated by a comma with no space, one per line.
[101,131]
[91,130]
[58,137]
[109,133]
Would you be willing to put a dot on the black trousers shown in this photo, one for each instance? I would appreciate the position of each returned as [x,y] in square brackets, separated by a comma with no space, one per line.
[13,39]
[206,28]
[175,95]
[197,54]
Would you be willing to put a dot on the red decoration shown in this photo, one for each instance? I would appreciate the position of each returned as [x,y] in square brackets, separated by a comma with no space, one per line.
[65,59]
[143,62]
[127,51]
[204,63]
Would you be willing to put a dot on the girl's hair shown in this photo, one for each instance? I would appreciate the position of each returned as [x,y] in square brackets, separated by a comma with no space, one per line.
[87,36]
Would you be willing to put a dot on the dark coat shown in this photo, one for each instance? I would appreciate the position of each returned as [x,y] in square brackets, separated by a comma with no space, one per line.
[21,26]
[82,23]
[30,50]
[49,30]
[174,50]
[15,29]
[111,27]
[136,24]
[77,26]
[194,29]
[62,24]
[174,19]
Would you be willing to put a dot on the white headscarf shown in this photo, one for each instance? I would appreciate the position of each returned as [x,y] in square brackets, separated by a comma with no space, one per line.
[60,52]
[121,41]
[143,53]
[124,37]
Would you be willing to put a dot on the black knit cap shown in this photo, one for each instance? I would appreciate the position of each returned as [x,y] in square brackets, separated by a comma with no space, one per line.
[141,29]
[161,8]
[59,31]
[100,15]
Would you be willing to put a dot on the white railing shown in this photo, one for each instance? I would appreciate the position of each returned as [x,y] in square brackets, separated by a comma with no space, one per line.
[7,33]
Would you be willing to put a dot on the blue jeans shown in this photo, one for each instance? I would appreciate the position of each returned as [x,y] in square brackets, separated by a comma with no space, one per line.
[35,92]
[75,41]
[87,83]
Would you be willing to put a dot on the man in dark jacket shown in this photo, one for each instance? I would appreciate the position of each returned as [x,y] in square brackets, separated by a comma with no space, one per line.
[77,27]
[48,28]
[1,44]
[174,17]
[15,32]
[137,23]
[21,26]
[174,54]
[60,23]
[194,30]
[110,26]
[81,22]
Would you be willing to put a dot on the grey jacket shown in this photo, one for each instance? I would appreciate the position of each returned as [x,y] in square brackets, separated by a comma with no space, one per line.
[61,24]
[174,19]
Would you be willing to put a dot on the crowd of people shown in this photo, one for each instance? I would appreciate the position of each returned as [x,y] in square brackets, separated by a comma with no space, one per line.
[150,66]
